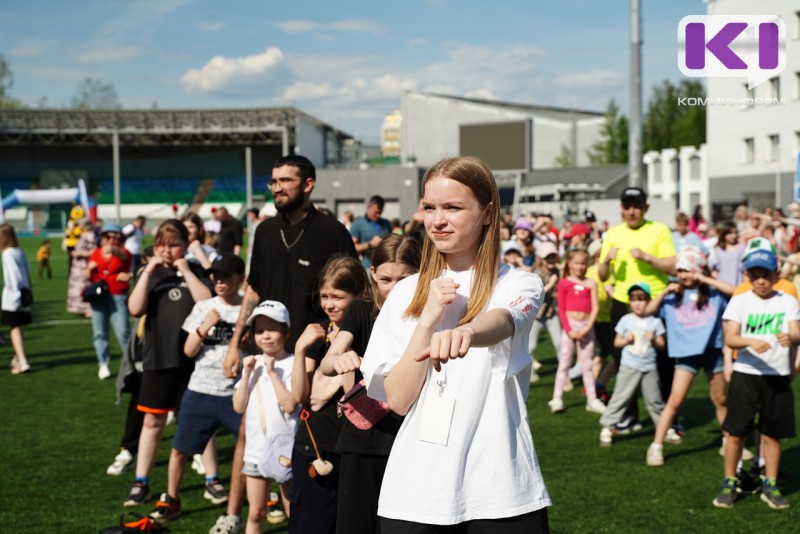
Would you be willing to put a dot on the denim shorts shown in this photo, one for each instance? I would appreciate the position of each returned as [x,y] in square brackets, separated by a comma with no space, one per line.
[198,419]
[711,361]
[251,470]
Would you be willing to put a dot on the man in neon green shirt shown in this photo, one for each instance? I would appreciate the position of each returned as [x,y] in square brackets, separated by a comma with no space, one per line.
[636,250]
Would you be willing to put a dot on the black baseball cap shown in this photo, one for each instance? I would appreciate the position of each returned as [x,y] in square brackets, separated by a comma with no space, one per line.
[226,264]
[590,216]
[634,193]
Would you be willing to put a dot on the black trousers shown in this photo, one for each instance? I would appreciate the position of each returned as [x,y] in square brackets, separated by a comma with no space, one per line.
[531,523]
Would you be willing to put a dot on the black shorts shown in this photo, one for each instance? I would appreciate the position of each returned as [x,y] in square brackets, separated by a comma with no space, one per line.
[530,523]
[604,339]
[770,397]
[162,390]
[16,318]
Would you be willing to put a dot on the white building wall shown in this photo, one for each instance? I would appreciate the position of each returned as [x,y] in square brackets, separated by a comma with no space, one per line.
[679,177]
[549,136]
[431,125]
[729,126]
[311,142]
[431,129]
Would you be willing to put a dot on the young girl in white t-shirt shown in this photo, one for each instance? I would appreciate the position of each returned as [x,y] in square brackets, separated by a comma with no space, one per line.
[449,350]
[271,408]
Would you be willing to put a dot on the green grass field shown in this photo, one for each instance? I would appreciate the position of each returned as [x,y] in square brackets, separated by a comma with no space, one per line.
[61,429]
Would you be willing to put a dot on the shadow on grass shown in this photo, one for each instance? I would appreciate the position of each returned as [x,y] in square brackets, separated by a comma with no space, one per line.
[40,359]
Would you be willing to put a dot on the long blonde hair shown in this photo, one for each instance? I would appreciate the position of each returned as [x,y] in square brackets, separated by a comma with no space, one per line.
[476,176]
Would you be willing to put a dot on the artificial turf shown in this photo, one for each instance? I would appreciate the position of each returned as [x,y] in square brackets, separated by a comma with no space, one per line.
[61,429]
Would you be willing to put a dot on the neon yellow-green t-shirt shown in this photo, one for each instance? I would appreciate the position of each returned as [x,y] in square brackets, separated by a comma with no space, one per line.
[603,302]
[652,238]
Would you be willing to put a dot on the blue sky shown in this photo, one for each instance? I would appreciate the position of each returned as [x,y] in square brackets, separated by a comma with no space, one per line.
[346,62]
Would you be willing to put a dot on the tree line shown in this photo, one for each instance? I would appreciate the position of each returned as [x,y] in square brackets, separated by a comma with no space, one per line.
[91,93]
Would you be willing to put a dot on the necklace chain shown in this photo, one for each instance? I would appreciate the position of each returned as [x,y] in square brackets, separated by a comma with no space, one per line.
[287,245]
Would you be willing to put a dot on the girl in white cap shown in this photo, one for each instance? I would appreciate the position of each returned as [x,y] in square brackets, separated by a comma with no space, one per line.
[271,409]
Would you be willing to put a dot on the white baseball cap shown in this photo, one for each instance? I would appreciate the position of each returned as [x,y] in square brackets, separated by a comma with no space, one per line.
[272,309]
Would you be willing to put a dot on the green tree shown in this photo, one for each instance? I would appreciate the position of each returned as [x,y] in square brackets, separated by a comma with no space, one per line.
[612,148]
[6,83]
[566,158]
[670,125]
[94,94]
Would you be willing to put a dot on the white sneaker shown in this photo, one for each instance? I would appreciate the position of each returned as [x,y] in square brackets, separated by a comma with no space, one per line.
[122,462]
[103,372]
[595,406]
[556,405]
[575,371]
[197,464]
[606,437]
[537,365]
[227,524]
[534,377]
[747,455]
[673,437]
[655,455]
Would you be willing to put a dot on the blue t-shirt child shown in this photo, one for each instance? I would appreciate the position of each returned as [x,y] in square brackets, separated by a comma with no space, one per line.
[640,355]
[690,332]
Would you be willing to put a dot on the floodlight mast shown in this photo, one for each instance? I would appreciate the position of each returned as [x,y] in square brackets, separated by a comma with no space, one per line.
[635,166]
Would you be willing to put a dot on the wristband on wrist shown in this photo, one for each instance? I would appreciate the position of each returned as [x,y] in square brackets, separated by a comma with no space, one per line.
[200,334]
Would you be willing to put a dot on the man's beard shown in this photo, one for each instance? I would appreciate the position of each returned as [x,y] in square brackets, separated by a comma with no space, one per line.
[290,204]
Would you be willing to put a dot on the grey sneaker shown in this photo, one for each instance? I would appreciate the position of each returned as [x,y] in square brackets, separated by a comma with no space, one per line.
[166,510]
[139,494]
[771,494]
[215,492]
[227,524]
[727,493]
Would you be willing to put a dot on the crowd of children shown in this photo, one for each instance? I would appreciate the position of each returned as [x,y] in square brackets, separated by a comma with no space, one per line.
[311,423]
[669,335]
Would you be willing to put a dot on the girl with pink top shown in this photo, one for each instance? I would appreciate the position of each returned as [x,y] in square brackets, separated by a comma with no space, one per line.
[577,310]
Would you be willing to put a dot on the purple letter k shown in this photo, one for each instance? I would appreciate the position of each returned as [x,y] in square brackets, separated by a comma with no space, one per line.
[719,45]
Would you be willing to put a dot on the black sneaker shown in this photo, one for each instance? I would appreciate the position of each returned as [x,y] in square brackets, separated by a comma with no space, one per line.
[215,492]
[727,493]
[139,494]
[167,509]
[771,494]
[748,483]
[628,425]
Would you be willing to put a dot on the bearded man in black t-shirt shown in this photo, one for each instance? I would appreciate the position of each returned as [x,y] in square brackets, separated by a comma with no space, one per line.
[289,251]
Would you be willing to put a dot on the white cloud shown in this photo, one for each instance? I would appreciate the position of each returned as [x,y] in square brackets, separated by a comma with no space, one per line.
[108,54]
[296,26]
[345,25]
[594,78]
[356,26]
[308,91]
[210,26]
[28,50]
[220,71]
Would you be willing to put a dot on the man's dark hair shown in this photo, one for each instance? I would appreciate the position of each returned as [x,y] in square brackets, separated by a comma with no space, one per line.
[377,200]
[305,169]
[253,211]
